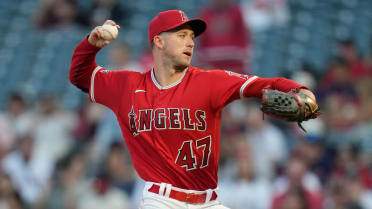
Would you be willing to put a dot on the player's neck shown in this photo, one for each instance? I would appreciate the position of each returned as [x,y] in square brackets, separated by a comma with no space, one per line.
[167,75]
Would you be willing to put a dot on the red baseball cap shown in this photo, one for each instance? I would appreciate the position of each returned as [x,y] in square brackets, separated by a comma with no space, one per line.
[171,19]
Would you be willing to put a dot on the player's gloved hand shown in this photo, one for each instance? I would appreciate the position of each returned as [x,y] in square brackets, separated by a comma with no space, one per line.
[96,36]
[292,106]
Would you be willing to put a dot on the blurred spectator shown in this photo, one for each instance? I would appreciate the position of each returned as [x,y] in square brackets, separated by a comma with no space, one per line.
[102,10]
[57,14]
[315,129]
[295,198]
[68,183]
[339,101]
[349,52]
[246,189]
[120,57]
[226,42]
[9,196]
[306,75]
[368,64]
[20,118]
[364,90]
[346,193]
[260,15]
[232,130]
[119,169]
[359,193]
[89,116]
[53,129]
[262,133]
[136,196]
[146,60]
[15,122]
[107,132]
[368,59]
[318,158]
[348,164]
[233,118]
[7,138]
[337,81]
[297,180]
[363,129]
[29,173]
[100,194]
[340,120]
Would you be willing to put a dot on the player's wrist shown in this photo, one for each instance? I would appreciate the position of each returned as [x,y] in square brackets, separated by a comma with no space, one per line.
[88,45]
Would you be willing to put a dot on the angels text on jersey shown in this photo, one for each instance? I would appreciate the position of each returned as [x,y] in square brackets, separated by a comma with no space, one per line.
[166,118]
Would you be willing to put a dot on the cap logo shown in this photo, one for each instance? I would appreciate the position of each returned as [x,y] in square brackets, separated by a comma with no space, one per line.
[183,16]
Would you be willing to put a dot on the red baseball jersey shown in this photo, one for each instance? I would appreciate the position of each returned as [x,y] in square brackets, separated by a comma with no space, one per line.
[172,132]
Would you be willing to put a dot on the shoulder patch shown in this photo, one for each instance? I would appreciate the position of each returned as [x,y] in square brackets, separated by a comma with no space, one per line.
[237,74]
[105,71]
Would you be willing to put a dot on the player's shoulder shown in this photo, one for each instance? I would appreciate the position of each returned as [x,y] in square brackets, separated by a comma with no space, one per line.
[194,70]
[123,73]
[216,73]
[206,72]
[197,70]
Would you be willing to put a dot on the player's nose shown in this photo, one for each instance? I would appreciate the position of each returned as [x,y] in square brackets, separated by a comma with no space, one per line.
[190,43]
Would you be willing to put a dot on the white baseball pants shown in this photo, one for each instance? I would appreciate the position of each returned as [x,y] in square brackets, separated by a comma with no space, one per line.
[151,200]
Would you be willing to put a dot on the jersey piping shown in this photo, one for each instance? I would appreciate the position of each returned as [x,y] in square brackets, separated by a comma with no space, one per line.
[250,80]
[170,85]
[92,83]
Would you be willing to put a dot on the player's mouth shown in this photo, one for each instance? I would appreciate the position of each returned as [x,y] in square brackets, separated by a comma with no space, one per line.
[187,53]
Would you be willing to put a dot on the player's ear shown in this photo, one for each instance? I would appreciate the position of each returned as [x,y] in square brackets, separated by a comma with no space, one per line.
[159,41]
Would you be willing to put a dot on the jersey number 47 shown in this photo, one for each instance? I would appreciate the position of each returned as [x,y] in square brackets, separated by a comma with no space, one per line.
[186,157]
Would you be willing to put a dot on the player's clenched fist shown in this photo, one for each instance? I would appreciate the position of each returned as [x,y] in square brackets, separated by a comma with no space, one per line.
[102,35]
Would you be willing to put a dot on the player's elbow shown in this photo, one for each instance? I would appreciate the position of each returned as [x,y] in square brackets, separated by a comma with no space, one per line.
[78,80]
[72,77]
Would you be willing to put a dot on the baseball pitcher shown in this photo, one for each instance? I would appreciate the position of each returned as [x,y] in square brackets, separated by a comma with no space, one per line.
[170,116]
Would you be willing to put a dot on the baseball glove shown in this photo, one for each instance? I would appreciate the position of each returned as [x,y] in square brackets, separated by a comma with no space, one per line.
[290,106]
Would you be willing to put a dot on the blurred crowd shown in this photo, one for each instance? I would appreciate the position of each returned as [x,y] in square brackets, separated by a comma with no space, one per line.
[52,157]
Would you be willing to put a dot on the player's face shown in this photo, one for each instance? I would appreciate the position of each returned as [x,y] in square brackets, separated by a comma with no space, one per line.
[179,46]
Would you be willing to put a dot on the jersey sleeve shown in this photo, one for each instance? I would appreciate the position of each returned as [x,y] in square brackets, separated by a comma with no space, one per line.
[228,87]
[83,64]
[254,89]
[231,86]
[108,87]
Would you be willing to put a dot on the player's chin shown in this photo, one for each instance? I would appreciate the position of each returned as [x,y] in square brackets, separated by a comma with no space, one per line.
[183,64]
[181,68]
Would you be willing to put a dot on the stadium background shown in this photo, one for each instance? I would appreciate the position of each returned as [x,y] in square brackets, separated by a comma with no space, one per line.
[79,161]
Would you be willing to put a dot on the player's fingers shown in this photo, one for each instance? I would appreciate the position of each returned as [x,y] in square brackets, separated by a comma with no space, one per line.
[111,22]
[100,32]
[94,33]
[106,42]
